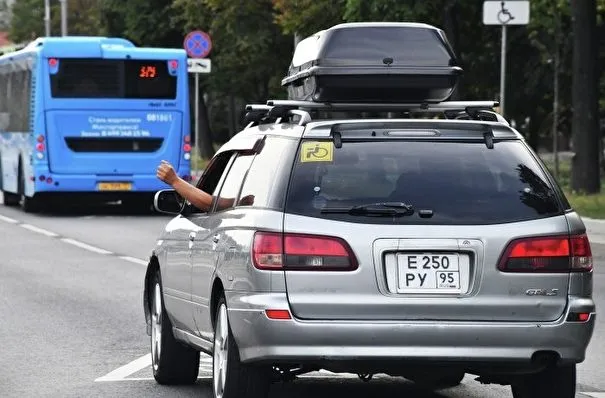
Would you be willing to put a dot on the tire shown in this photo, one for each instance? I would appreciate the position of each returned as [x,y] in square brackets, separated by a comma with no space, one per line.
[553,382]
[8,198]
[171,361]
[438,381]
[28,205]
[231,378]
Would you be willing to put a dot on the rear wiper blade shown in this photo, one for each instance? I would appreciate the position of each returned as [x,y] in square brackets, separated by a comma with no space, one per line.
[391,209]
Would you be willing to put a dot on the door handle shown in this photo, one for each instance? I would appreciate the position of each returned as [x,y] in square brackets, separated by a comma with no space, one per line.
[216,238]
[192,236]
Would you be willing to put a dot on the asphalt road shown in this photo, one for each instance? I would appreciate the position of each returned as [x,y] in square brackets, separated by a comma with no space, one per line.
[71,321]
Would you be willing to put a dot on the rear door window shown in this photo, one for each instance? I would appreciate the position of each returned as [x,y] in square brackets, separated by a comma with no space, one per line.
[233,183]
[460,182]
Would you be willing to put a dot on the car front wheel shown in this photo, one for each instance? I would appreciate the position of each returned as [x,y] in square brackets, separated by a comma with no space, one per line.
[552,382]
[172,362]
[230,377]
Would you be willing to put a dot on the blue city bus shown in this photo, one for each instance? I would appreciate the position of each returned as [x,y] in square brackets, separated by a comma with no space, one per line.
[91,117]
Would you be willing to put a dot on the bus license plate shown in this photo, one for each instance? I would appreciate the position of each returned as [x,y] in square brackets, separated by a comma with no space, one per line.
[429,273]
[115,186]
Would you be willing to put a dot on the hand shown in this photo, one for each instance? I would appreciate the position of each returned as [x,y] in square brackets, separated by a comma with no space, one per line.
[247,200]
[166,173]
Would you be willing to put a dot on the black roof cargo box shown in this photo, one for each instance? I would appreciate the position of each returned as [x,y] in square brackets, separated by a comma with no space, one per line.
[374,62]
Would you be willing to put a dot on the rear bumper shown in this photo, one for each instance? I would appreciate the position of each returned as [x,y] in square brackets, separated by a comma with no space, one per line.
[88,182]
[261,339]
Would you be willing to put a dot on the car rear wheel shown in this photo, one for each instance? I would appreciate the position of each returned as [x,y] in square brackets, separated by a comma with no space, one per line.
[552,382]
[230,377]
[172,362]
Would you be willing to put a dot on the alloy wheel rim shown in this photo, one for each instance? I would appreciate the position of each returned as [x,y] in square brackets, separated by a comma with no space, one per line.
[156,327]
[221,334]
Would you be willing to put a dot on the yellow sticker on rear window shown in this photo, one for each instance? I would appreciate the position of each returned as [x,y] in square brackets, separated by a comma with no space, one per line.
[317,152]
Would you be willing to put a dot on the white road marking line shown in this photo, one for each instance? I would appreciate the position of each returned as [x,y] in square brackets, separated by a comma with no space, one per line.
[42,231]
[594,394]
[122,372]
[134,260]
[8,219]
[85,246]
[152,379]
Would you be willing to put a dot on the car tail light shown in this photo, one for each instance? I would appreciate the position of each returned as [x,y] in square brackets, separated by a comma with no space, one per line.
[548,254]
[302,252]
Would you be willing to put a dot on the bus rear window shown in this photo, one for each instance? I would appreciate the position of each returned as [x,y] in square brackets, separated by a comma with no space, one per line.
[108,78]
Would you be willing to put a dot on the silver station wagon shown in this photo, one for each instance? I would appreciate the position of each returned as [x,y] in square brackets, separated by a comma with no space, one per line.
[418,239]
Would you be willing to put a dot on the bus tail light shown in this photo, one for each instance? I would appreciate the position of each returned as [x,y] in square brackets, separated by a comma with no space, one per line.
[187,147]
[53,66]
[40,147]
[40,138]
[173,64]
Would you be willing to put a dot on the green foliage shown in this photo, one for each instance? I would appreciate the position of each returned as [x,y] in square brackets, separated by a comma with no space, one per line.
[28,19]
[145,22]
[306,17]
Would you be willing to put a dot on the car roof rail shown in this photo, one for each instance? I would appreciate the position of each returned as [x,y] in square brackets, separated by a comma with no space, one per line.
[276,111]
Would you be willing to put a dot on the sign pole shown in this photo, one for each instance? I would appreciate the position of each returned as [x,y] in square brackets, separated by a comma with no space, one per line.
[47,17]
[196,130]
[63,17]
[197,45]
[502,69]
[504,13]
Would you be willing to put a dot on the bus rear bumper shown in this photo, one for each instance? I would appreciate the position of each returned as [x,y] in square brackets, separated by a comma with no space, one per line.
[102,184]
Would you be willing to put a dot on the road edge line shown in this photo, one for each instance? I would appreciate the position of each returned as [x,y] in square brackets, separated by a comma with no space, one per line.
[39,230]
[134,260]
[85,246]
[8,219]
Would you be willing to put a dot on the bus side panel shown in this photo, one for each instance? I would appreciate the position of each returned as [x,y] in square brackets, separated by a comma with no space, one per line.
[16,146]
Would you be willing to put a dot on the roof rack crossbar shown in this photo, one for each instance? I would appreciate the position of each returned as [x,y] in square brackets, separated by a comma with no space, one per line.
[274,111]
[439,107]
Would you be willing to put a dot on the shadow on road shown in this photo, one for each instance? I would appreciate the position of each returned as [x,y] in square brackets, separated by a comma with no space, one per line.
[318,388]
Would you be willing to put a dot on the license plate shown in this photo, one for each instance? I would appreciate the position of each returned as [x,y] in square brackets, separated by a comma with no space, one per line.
[114,186]
[428,273]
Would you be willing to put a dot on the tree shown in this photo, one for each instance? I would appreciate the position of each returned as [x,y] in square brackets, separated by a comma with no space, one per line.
[27,21]
[250,56]
[305,17]
[585,128]
[144,22]
[5,14]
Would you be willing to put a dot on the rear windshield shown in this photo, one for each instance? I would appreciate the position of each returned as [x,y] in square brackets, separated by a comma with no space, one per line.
[108,78]
[460,182]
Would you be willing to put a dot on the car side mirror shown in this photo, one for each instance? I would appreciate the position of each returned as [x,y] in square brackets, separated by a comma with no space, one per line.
[168,201]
